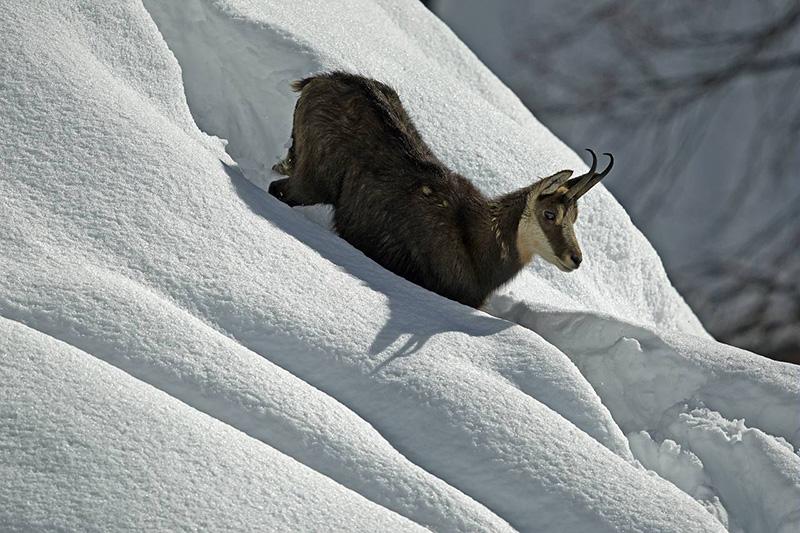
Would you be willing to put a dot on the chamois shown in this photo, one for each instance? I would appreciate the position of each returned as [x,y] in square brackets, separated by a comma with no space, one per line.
[355,147]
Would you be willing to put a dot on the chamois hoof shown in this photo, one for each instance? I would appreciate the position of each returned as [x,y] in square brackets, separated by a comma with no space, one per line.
[278,188]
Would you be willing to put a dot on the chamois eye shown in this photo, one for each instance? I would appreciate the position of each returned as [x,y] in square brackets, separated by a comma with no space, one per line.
[549,215]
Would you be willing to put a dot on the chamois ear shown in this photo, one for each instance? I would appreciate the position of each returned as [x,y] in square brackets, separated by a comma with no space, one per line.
[550,184]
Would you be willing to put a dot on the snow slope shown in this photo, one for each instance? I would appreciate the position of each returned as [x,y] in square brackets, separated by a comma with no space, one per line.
[181,351]
[128,456]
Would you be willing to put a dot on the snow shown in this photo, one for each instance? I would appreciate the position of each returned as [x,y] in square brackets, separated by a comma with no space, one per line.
[181,351]
[128,456]
[731,452]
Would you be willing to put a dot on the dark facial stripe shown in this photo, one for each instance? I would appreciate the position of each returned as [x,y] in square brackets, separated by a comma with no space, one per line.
[561,238]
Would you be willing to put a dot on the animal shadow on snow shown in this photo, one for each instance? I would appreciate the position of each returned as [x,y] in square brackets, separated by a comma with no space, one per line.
[405,299]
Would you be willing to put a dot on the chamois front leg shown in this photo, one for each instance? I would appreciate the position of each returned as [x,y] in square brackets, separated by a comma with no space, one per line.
[282,190]
[293,191]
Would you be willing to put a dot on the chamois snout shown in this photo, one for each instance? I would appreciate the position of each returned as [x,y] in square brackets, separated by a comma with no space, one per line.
[574,259]
[565,252]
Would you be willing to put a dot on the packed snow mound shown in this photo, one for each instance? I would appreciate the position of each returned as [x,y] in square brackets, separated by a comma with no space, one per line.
[89,459]
[181,351]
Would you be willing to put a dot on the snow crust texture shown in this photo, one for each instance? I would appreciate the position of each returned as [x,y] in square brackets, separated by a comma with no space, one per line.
[180,351]
[131,457]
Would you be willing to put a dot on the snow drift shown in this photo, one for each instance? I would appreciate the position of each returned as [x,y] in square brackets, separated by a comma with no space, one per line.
[181,351]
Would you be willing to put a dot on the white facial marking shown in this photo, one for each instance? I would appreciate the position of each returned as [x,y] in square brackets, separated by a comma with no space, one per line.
[531,240]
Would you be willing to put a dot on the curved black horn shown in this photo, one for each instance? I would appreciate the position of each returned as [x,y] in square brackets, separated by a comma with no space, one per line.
[594,161]
[597,177]
[576,185]
[608,168]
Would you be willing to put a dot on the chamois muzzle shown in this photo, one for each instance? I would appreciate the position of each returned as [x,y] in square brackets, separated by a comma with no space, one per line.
[580,185]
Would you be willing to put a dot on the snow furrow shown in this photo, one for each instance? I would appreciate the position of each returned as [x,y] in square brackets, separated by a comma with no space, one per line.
[640,374]
[647,380]
[175,352]
[756,476]
[132,471]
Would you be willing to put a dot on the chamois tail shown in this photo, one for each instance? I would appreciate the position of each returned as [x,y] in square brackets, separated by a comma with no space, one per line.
[297,85]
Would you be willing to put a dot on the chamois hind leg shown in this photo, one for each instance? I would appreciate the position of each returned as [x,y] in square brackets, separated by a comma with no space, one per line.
[297,188]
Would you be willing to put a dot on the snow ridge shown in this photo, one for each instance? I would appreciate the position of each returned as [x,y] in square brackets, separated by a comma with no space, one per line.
[210,348]
[692,395]
[107,480]
[193,362]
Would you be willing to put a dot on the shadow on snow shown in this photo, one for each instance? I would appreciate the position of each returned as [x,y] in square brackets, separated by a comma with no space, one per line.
[410,306]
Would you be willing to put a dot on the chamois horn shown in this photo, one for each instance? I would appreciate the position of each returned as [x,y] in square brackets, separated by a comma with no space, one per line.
[580,185]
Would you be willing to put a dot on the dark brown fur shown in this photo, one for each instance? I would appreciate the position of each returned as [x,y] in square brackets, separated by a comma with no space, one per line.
[355,147]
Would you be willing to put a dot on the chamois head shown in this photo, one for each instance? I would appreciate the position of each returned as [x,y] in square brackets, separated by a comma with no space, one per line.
[545,227]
